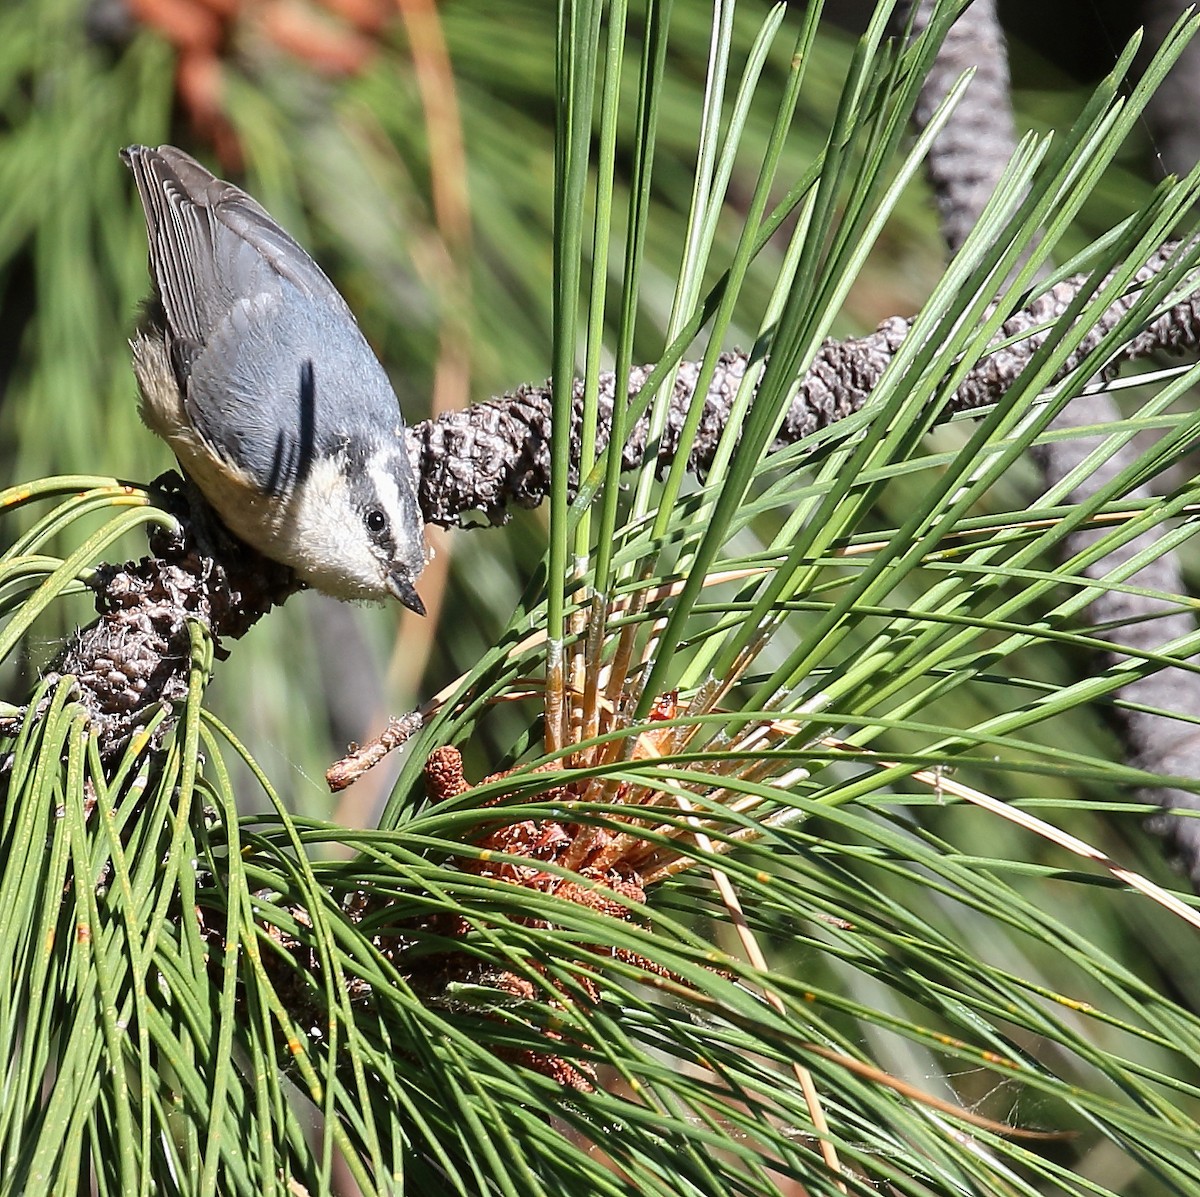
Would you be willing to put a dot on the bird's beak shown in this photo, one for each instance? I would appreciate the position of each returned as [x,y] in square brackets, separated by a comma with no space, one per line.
[405,591]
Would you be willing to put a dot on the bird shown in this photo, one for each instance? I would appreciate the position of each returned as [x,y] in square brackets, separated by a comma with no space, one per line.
[253,369]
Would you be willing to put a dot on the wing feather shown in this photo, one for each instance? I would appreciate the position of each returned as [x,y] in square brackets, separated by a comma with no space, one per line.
[273,370]
[212,244]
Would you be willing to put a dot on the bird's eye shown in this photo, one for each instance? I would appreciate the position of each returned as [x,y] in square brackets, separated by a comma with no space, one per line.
[376,521]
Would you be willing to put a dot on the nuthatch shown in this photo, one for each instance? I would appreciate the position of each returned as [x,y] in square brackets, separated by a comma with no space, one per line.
[253,369]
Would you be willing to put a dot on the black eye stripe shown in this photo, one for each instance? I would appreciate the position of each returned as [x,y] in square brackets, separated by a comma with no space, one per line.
[368,500]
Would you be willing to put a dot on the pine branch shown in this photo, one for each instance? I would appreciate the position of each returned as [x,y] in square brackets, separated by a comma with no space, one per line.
[496,454]
[135,658]
[968,157]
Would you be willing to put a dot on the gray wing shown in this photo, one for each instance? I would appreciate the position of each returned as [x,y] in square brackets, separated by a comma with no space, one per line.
[270,360]
[212,244]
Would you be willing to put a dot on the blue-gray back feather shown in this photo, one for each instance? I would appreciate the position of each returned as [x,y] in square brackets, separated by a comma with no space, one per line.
[270,360]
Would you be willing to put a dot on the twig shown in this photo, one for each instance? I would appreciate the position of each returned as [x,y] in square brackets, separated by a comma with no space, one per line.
[400,729]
